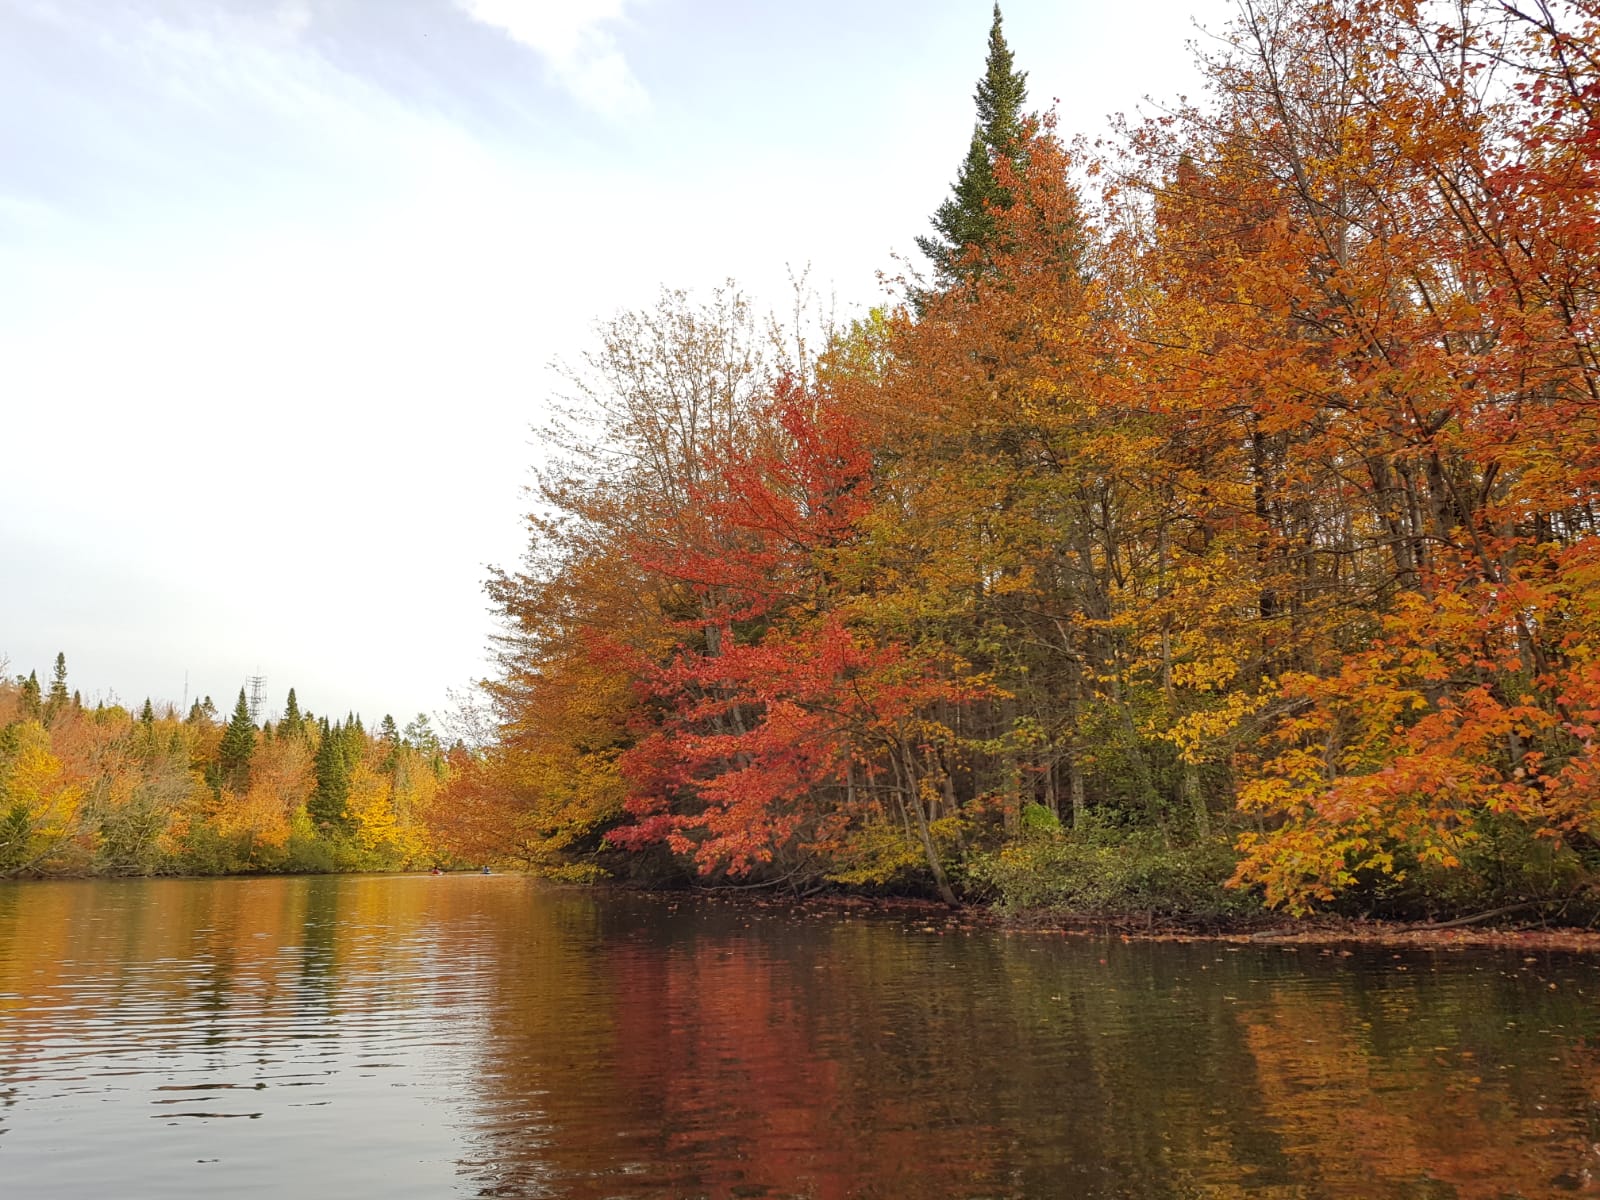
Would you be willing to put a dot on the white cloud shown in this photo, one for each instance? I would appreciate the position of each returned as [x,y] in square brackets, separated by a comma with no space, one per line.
[570,36]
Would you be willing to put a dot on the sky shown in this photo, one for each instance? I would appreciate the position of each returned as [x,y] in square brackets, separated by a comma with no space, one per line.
[282,281]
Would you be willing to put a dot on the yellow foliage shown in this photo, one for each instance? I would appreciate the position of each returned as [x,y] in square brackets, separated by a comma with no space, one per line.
[39,805]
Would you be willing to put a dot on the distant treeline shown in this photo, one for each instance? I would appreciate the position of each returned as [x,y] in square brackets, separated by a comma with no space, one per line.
[1224,509]
[107,791]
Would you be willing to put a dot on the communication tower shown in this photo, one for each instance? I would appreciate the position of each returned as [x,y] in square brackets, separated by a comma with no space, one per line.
[257,685]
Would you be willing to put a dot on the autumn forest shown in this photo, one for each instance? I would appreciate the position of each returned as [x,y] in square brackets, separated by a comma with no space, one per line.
[1209,520]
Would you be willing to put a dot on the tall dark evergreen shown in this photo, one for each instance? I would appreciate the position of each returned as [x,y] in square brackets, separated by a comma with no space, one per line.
[355,744]
[238,744]
[58,698]
[293,724]
[389,738]
[966,217]
[32,705]
[328,804]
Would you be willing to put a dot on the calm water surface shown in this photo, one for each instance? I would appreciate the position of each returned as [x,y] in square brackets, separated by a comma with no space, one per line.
[482,1036]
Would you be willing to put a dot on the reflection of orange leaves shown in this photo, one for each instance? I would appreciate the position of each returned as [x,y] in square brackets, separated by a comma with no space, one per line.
[1360,1120]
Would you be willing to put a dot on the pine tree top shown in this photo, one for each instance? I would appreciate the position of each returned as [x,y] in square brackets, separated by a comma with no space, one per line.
[966,218]
[1001,94]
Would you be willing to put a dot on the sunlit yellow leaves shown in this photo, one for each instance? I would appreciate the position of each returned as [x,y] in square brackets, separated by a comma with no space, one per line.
[38,804]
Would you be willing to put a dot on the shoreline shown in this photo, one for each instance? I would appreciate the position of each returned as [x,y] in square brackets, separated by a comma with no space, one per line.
[1321,932]
[1517,928]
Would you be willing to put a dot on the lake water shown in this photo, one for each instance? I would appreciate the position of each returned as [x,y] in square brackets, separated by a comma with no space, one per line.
[485,1036]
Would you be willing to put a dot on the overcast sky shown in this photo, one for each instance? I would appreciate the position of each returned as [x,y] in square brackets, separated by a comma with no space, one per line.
[280,281]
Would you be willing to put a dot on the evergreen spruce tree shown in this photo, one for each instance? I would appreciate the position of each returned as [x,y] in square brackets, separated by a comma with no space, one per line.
[147,714]
[237,745]
[293,724]
[355,744]
[59,698]
[389,736]
[327,805]
[965,218]
[31,704]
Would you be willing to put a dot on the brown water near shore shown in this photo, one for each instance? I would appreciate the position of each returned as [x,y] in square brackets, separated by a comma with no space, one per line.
[485,1036]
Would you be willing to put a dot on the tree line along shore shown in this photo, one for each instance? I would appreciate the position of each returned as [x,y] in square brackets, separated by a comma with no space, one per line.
[1210,528]
[106,790]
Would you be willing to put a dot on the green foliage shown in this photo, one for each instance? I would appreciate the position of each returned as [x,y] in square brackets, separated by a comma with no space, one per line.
[15,831]
[328,806]
[31,705]
[310,850]
[237,747]
[419,733]
[881,855]
[206,851]
[1115,873]
[967,217]
[59,698]
[130,836]
[1039,821]
[292,724]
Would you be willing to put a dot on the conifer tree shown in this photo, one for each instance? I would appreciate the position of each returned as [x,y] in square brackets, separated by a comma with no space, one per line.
[147,714]
[965,219]
[238,744]
[293,724]
[31,706]
[389,736]
[327,805]
[355,743]
[59,698]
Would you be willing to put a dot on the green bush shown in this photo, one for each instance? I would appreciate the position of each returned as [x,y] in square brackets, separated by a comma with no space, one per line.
[309,851]
[1115,873]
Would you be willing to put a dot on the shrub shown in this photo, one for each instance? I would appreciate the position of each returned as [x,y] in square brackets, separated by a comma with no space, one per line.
[1116,873]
